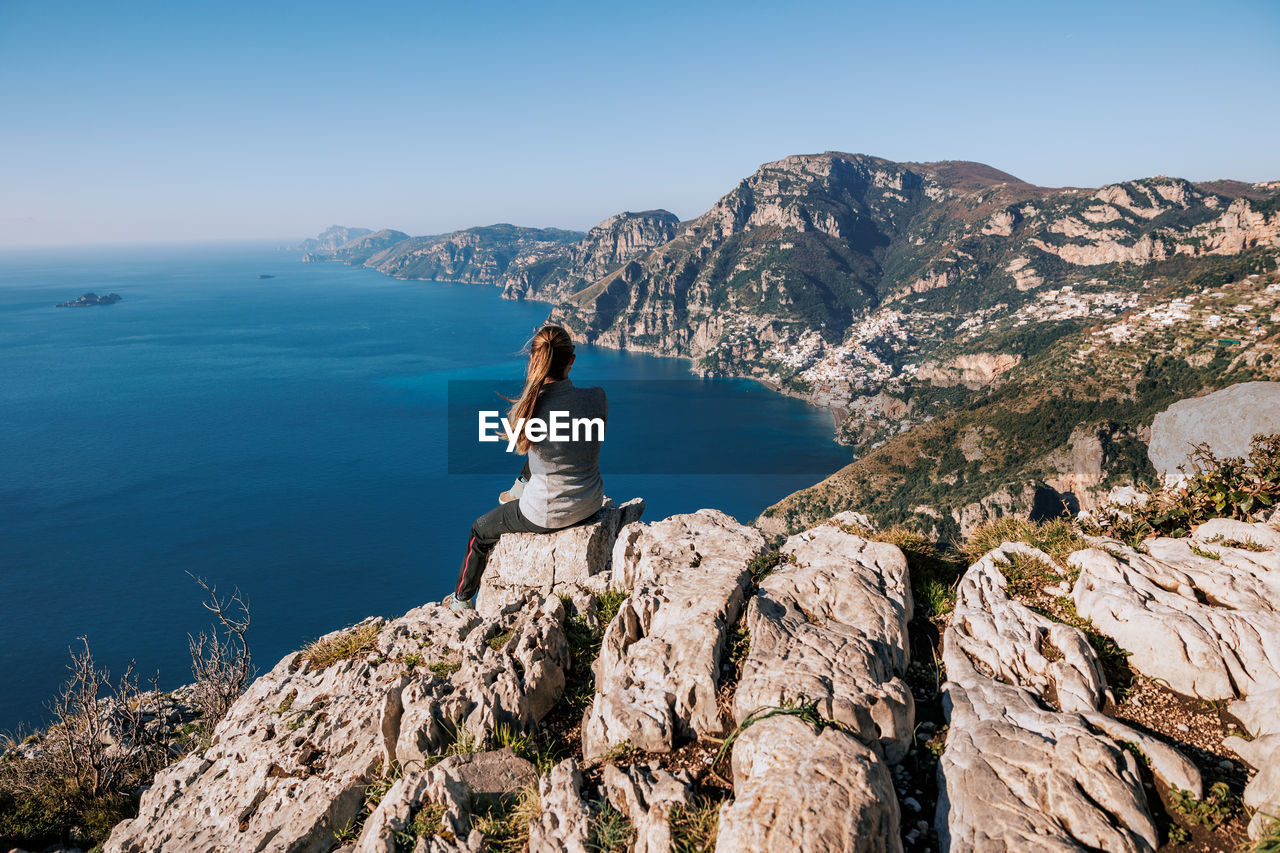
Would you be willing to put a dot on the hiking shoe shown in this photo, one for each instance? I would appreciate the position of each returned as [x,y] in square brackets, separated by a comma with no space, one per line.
[455,603]
[513,493]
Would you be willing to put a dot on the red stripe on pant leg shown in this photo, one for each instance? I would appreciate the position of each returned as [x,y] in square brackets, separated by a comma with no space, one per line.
[457,592]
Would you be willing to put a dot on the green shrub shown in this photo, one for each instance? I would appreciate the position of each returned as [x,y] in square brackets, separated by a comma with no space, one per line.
[1235,487]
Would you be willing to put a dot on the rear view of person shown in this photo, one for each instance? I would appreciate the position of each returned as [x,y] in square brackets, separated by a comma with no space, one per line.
[562,484]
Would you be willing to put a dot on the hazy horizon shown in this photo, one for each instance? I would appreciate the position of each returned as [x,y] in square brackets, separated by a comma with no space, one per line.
[149,123]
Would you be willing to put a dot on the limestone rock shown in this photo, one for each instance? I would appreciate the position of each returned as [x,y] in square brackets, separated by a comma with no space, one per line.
[1254,408]
[659,663]
[647,797]
[831,625]
[564,825]
[1262,794]
[972,371]
[1016,774]
[561,563]
[1259,714]
[406,797]
[1210,628]
[454,783]
[797,789]
[289,764]
[1017,645]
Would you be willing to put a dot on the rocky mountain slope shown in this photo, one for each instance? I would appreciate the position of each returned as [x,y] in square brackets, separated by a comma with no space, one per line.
[743,698]
[984,343]
[605,248]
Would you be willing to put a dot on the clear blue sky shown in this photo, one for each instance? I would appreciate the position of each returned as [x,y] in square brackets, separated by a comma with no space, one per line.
[163,121]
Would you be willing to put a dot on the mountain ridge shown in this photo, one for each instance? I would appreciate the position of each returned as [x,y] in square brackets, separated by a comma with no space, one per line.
[898,294]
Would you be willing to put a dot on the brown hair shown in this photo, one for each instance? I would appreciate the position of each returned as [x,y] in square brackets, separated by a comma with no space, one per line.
[550,352]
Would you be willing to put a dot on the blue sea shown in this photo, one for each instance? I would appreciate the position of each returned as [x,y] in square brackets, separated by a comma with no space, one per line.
[286,436]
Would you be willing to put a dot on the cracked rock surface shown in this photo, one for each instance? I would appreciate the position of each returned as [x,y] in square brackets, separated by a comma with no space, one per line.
[647,796]
[573,561]
[1210,628]
[797,789]
[1203,615]
[831,625]
[1030,764]
[659,664]
[564,823]
[289,764]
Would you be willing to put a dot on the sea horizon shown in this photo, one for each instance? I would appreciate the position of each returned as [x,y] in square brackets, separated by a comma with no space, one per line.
[246,431]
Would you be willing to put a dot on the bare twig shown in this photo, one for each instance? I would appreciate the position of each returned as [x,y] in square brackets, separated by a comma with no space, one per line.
[220,658]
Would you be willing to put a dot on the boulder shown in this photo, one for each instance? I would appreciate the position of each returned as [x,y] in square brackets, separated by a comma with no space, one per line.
[1259,714]
[647,796]
[289,764]
[1254,408]
[1262,794]
[573,561]
[455,783]
[564,823]
[1208,627]
[830,625]
[799,789]
[1030,764]
[1015,644]
[659,664]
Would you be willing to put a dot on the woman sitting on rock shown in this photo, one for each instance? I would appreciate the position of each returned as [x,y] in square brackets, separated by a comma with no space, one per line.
[563,476]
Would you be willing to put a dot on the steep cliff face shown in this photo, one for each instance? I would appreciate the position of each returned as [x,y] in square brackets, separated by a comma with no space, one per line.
[821,242]
[606,247]
[797,246]
[474,256]
[360,249]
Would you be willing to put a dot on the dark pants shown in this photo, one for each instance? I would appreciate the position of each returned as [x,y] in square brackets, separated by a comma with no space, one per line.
[505,518]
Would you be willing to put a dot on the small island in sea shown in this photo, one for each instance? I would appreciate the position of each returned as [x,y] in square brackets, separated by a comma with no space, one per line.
[265,275]
[90,299]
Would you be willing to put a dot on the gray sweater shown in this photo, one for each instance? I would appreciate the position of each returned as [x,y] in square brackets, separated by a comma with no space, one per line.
[565,485]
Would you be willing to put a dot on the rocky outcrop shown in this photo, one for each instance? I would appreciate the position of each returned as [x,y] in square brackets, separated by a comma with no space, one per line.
[1030,763]
[972,371]
[800,789]
[605,248]
[1254,408]
[572,562]
[830,626]
[289,765]
[656,676]
[1031,760]
[563,824]
[1209,627]
[461,784]
[647,796]
[1203,616]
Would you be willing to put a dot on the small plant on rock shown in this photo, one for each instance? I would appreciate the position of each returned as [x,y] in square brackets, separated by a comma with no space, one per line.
[350,643]
[1212,810]
[694,826]
[611,830]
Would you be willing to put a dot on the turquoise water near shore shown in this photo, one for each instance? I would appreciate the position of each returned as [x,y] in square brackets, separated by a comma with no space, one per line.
[284,436]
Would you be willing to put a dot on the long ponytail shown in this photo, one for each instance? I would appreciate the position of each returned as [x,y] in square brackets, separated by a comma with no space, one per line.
[549,355]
